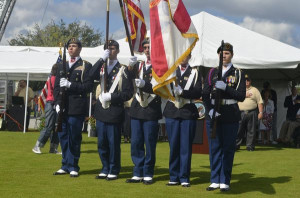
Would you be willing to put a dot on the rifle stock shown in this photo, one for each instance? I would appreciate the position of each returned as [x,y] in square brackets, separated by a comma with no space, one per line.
[214,121]
[62,94]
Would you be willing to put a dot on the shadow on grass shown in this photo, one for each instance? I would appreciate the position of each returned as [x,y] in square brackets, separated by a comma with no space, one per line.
[88,142]
[160,174]
[268,148]
[248,183]
[126,172]
[262,148]
[234,165]
[90,151]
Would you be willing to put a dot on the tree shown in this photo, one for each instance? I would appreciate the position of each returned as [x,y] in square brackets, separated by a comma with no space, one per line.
[54,33]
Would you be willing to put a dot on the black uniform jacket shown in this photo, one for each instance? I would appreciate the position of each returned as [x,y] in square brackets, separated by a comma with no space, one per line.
[115,113]
[235,89]
[153,110]
[292,108]
[188,111]
[76,102]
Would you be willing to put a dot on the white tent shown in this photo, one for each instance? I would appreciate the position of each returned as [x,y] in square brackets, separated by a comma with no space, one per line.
[252,50]
[263,58]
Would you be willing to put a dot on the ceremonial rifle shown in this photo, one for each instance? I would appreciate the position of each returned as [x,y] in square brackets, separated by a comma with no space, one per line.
[129,43]
[62,93]
[107,43]
[214,120]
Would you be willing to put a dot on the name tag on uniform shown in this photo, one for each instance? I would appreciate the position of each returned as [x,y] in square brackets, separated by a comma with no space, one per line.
[79,68]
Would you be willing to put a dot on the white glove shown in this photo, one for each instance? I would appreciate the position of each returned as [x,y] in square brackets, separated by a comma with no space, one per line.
[140,83]
[106,97]
[221,85]
[178,90]
[211,112]
[132,61]
[64,83]
[57,109]
[105,54]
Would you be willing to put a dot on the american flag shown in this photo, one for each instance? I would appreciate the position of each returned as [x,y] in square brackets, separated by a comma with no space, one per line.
[136,23]
[44,92]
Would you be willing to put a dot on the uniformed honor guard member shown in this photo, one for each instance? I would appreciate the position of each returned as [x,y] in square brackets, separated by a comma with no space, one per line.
[233,89]
[109,110]
[181,116]
[78,84]
[145,113]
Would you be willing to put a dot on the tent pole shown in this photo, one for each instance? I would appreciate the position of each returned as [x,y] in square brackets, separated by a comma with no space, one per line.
[26,101]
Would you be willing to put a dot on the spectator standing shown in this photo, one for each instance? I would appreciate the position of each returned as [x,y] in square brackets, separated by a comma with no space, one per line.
[21,91]
[50,119]
[249,115]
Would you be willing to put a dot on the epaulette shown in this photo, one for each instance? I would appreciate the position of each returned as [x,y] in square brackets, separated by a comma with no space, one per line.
[86,62]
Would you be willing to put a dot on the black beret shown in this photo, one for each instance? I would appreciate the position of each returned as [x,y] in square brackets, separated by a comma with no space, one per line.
[146,41]
[112,43]
[74,40]
[227,47]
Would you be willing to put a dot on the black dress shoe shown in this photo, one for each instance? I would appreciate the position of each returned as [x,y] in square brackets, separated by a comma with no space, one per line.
[173,184]
[111,178]
[148,182]
[211,189]
[250,149]
[224,189]
[134,180]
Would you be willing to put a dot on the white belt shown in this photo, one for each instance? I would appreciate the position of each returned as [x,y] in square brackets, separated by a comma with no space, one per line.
[180,102]
[224,101]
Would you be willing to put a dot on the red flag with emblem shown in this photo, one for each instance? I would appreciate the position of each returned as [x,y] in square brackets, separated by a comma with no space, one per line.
[173,36]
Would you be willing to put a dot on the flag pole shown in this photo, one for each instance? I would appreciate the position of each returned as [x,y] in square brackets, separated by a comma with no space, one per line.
[129,43]
[126,28]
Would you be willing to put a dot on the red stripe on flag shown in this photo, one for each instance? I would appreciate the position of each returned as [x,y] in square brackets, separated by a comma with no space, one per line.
[136,8]
[158,55]
[182,18]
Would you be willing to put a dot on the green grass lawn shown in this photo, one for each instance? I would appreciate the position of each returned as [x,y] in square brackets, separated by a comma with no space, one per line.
[267,172]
